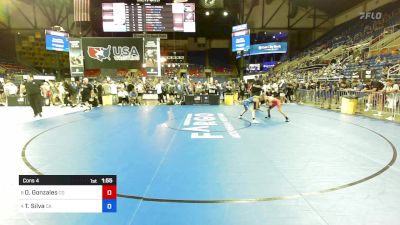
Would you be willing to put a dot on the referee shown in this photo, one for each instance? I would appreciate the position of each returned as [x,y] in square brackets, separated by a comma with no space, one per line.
[257,87]
[33,93]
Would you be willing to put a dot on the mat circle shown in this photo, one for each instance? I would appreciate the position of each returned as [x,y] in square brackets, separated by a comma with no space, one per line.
[222,201]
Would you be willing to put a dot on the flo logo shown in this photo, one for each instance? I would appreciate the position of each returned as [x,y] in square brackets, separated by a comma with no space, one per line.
[119,53]
[99,53]
[370,15]
[209,126]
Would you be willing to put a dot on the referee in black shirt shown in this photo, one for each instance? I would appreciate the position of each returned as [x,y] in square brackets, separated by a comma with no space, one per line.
[257,87]
[33,93]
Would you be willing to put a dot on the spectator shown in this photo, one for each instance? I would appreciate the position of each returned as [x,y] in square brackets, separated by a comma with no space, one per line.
[114,91]
[242,89]
[10,89]
[160,92]
[2,96]
[390,90]
[179,92]
[123,96]
[372,86]
[87,94]
[257,87]
[140,91]
[99,92]
[33,91]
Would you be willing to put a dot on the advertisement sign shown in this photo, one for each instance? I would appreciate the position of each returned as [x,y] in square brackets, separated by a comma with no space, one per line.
[76,57]
[253,67]
[269,48]
[113,53]
[152,56]
[266,48]
[57,41]
[268,65]
[241,41]
[239,27]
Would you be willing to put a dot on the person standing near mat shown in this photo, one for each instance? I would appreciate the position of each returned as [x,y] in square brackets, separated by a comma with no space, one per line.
[159,89]
[247,104]
[257,87]
[272,102]
[86,93]
[33,92]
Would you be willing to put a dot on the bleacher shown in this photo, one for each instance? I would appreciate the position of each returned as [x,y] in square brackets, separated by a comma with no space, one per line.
[197,57]
[381,38]
[32,50]
[219,57]
[387,60]
[12,67]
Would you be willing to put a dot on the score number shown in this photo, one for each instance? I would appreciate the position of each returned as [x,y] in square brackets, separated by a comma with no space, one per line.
[107,180]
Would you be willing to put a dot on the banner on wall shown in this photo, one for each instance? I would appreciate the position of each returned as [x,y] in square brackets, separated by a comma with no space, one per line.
[76,57]
[113,53]
[269,48]
[266,48]
[152,56]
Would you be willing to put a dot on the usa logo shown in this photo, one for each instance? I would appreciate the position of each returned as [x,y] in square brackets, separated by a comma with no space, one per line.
[99,53]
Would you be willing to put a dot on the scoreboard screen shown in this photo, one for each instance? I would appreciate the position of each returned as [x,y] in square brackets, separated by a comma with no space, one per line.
[135,17]
[57,41]
[68,193]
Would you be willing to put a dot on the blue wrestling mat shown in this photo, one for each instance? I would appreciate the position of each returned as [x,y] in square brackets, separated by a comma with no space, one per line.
[197,165]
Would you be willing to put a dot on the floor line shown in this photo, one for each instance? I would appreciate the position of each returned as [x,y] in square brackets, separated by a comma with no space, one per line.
[299,194]
[131,221]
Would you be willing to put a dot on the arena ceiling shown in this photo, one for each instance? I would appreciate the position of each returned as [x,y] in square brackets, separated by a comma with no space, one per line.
[214,26]
[331,7]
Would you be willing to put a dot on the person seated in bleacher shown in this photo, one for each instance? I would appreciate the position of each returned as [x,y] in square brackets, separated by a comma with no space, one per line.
[378,60]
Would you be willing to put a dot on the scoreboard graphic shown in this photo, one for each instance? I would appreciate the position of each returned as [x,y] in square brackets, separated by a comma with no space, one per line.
[134,17]
[68,193]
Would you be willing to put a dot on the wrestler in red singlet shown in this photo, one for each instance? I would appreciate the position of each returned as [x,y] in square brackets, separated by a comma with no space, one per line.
[272,102]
